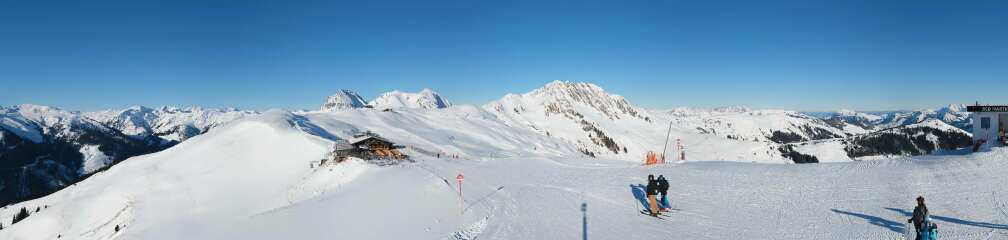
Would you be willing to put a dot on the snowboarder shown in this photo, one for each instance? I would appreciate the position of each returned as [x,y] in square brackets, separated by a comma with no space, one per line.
[652,190]
[663,190]
[920,215]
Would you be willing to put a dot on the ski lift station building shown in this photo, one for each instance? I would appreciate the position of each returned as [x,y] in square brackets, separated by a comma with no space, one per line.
[990,123]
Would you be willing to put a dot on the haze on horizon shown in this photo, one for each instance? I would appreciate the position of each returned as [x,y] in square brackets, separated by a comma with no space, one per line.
[797,55]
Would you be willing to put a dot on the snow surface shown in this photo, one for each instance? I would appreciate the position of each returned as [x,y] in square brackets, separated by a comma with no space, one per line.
[252,179]
[825,151]
[94,159]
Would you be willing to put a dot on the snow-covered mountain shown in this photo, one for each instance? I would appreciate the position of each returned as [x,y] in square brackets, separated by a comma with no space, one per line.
[954,114]
[778,126]
[343,99]
[863,120]
[347,99]
[922,138]
[425,99]
[909,140]
[168,124]
[582,114]
[253,179]
[603,124]
[43,149]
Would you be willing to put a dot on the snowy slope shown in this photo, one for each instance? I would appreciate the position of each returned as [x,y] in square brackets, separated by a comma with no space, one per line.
[263,162]
[425,99]
[251,180]
[460,130]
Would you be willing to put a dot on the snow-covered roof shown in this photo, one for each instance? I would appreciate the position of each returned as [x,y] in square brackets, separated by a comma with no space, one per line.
[359,139]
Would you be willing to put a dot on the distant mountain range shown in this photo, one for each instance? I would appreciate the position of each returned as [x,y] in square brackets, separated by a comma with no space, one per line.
[43,149]
[347,99]
[954,114]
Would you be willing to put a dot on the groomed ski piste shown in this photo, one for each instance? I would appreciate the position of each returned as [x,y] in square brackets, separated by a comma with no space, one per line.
[254,179]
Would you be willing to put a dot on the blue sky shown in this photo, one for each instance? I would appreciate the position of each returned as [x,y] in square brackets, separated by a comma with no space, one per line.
[801,55]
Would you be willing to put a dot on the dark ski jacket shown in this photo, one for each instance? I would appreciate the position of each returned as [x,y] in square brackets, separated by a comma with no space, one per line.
[919,214]
[652,187]
[663,186]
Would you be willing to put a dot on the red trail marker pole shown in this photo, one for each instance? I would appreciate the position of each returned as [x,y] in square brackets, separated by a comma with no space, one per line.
[461,200]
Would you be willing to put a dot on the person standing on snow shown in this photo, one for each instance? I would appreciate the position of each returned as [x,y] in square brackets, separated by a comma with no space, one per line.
[663,190]
[652,190]
[920,213]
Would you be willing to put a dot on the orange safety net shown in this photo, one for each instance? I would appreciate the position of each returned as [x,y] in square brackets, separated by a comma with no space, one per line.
[652,159]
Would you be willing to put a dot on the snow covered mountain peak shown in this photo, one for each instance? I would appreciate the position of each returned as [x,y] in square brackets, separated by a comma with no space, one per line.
[563,88]
[44,114]
[954,109]
[50,120]
[342,100]
[168,122]
[560,96]
[425,99]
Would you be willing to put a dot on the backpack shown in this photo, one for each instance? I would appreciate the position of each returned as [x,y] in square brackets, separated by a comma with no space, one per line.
[929,231]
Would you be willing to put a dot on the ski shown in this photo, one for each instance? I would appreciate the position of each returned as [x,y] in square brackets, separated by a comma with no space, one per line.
[660,216]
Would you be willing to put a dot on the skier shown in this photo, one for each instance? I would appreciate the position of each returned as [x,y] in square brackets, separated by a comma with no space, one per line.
[663,189]
[652,190]
[920,215]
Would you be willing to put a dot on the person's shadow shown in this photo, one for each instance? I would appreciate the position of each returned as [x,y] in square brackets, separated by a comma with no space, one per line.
[877,221]
[953,220]
[640,195]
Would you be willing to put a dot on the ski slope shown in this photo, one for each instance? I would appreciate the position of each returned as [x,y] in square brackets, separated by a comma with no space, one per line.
[252,179]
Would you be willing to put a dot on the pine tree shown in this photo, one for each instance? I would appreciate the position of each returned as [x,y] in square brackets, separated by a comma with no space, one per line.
[21,215]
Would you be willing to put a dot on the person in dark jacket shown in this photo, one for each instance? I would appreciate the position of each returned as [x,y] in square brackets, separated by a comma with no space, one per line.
[920,213]
[652,190]
[663,190]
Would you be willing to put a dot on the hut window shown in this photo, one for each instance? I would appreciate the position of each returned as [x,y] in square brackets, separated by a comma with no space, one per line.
[985,122]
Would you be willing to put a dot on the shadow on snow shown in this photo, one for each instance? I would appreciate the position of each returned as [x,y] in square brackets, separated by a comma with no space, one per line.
[897,226]
[894,226]
[640,195]
[954,220]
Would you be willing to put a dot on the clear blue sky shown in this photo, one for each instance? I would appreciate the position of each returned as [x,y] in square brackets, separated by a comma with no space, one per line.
[801,55]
